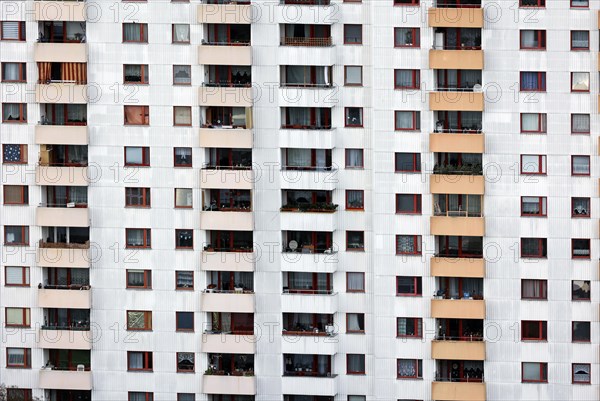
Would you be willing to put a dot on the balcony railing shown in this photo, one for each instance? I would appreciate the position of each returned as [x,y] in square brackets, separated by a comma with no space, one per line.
[312,42]
[226,43]
[304,85]
[228,84]
[305,2]
[309,168]
[464,130]
[457,213]
[457,4]
[470,378]
[462,47]
[465,169]
[310,127]
[308,372]
[247,249]
[208,166]
[212,370]
[74,326]
[443,294]
[66,286]
[310,207]
[66,245]
[472,88]
[299,291]
[467,337]
[236,290]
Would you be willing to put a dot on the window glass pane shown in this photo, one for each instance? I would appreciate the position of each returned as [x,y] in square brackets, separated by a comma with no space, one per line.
[581,372]
[355,282]
[184,279]
[580,123]
[353,75]
[581,331]
[182,74]
[183,115]
[134,155]
[181,33]
[580,81]
[183,197]
[17,275]
[10,30]
[531,371]
[581,165]
[185,320]
[580,39]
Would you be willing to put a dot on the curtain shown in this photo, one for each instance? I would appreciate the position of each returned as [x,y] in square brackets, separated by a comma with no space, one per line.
[581,81]
[300,281]
[10,30]
[135,277]
[139,396]
[356,363]
[406,368]
[80,276]
[135,237]
[183,115]
[581,122]
[248,112]
[354,75]
[183,197]
[469,78]
[355,157]
[181,74]
[531,164]
[531,371]
[323,364]
[131,32]
[355,282]
[136,115]
[136,360]
[14,316]
[404,120]
[298,116]
[244,280]
[299,157]
[405,244]
[45,71]
[529,38]
[404,78]
[530,81]
[355,198]
[296,74]
[185,279]
[531,289]
[14,275]
[181,33]
[12,111]
[531,122]
[530,246]
[404,36]
[74,72]
[353,323]
[581,165]
[15,356]
[581,372]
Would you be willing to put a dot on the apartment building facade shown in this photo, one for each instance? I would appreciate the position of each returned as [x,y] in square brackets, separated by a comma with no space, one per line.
[299,200]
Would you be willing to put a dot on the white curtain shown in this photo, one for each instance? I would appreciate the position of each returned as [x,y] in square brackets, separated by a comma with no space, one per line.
[131,32]
[405,244]
[183,197]
[14,275]
[404,120]
[181,33]
[10,30]
[529,38]
[581,81]
[136,360]
[138,396]
[354,157]
[16,316]
[581,123]
[183,115]
[406,368]
[581,165]
[321,158]
[299,280]
[181,74]
[133,155]
[298,116]
[404,78]
[185,279]
[355,282]
[580,39]
[531,122]
[531,164]
[12,111]
[354,75]
[299,157]
[531,371]
[15,356]
[11,71]
[532,289]
[353,323]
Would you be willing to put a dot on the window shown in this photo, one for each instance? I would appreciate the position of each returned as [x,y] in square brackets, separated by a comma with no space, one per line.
[408,203]
[184,280]
[18,394]
[141,279]
[137,115]
[138,238]
[185,361]
[355,240]
[580,207]
[181,33]
[407,79]
[184,239]
[355,158]
[357,398]
[409,327]
[533,39]
[182,116]
[14,72]
[580,40]
[408,286]
[410,369]
[182,157]
[184,321]
[533,81]
[534,289]
[18,317]
[14,112]
[580,290]
[408,244]
[534,372]
[532,3]
[534,123]
[137,156]
[580,82]
[407,162]
[139,360]
[355,282]
[580,3]
[353,75]
[406,2]
[407,37]
[136,74]
[407,120]
[137,197]
[354,117]
[355,322]
[580,248]
[14,154]
[533,206]
[355,199]
[18,357]
[533,330]
[182,75]
[17,276]
[533,164]
[355,364]
[139,320]
[352,34]
[139,396]
[135,33]
[185,396]
[580,123]
[16,195]
[12,30]
[581,373]
[16,235]
[183,197]
[533,247]
[581,332]
[580,165]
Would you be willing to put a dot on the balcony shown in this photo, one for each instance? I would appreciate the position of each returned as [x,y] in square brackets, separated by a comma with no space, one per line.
[61,134]
[453,225]
[456,391]
[228,261]
[226,178]
[456,59]
[470,17]
[62,176]
[65,379]
[228,220]
[456,143]
[225,96]
[224,55]
[457,184]
[308,221]
[325,302]
[458,309]
[60,52]
[229,343]
[225,138]
[457,267]
[235,385]
[224,13]
[227,302]
[458,350]
[63,255]
[309,385]
[70,11]
[62,216]
[65,339]
[65,299]
[456,101]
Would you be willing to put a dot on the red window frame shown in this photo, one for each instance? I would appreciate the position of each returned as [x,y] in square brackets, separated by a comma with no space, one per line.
[26,358]
[147,320]
[147,280]
[417,244]
[581,132]
[23,150]
[416,120]
[580,174]
[576,49]
[25,274]
[175,124]
[143,33]
[148,395]
[355,249]
[586,341]
[184,288]
[148,361]
[579,90]
[541,38]
[146,198]
[24,235]
[182,84]
[416,280]
[177,232]
[540,4]
[573,256]
[22,72]
[541,80]
[346,75]
[144,74]
[542,328]
[348,207]
[145,110]
[363,281]
[145,156]
[416,79]
[22,32]
[587,215]
[418,367]
[360,41]
[543,373]
[24,195]
[347,125]
[351,372]
[542,166]
[417,202]
[185,330]
[147,238]
[185,42]
[573,373]
[405,3]
[193,368]
[416,163]
[542,124]
[580,299]
[347,154]
[580,7]
[175,200]
[418,327]
[355,331]
[175,165]
[26,315]
[541,200]
[18,394]
[22,114]
[542,246]
[543,287]
[416,36]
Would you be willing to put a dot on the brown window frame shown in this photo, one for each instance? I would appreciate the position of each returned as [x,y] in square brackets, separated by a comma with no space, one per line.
[26,316]
[346,76]
[542,328]
[417,201]
[350,372]
[363,283]
[145,110]
[147,239]
[588,214]
[418,324]
[25,276]
[26,358]
[145,156]
[146,198]
[22,72]
[24,234]
[144,75]
[192,370]
[184,288]
[543,373]
[143,32]
[22,32]
[177,328]
[147,280]
[177,232]
[147,320]
[22,114]
[360,40]
[355,331]
[24,195]
[148,361]
[355,249]
[348,207]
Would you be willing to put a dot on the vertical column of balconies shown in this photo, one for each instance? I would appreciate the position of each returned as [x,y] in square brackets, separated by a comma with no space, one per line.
[457,189]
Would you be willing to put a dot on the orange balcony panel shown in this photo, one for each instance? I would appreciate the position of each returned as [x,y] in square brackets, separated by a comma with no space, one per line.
[238,385]
[65,380]
[458,350]
[61,135]
[455,391]
[61,52]
[457,267]
[457,184]
[455,17]
[458,309]
[470,226]
[236,221]
[227,302]
[225,138]
[65,339]
[62,217]
[73,299]
[456,101]
[456,59]
[456,143]
[225,55]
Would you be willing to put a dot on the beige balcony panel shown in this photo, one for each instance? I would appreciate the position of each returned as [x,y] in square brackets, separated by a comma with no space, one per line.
[225,138]
[227,302]
[237,385]
[63,176]
[309,303]
[65,339]
[60,11]
[456,101]
[62,217]
[73,299]
[470,226]
[229,343]
[458,350]
[228,261]
[458,308]
[65,380]
[457,184]
[456,59]
[309,262]
[449,391]
[455,17]
[235,221]
[63,257]
[225,97]
[226,179]
[61,135]
[224,14]
[298,385]
[61,52]
[61,93]
[457,267]
[225,55]
[457,143]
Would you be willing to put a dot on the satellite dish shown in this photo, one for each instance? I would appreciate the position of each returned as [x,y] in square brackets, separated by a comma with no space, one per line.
[293,245]
[477,88]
